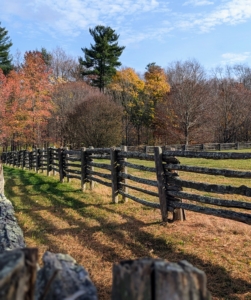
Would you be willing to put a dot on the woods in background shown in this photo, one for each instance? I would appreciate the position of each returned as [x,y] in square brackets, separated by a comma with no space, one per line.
[53,98]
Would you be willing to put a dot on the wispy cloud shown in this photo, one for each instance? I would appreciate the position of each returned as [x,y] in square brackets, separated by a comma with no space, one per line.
[229,12]
[135,20]
[69,16]
[198,2]
[232,58]
[135,37]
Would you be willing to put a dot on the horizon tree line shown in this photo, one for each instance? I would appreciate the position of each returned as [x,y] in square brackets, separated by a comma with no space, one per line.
[50,97]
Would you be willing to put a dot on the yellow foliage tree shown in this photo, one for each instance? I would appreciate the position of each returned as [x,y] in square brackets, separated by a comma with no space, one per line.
[126,80]
[156,87]
[156,84]
[128,89]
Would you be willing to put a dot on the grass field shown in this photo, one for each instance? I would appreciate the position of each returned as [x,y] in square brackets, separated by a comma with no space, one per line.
[61,218]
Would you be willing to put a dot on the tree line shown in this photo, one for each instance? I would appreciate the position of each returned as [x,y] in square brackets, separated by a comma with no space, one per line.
[49,97]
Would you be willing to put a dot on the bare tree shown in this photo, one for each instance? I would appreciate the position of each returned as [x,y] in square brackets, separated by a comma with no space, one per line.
[231,104]
[187,103]
[243,74]
[64,66]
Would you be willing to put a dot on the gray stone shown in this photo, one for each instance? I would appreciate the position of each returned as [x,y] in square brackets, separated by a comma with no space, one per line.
[11,235]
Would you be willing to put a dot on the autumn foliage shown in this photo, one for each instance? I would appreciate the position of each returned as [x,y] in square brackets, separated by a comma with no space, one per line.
[44,101]
[26,104]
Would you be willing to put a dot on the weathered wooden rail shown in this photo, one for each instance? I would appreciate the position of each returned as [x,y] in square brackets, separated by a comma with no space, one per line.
[109,167]
[198,147]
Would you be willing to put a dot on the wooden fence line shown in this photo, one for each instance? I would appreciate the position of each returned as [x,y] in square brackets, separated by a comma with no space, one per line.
[80,164]
[196,147]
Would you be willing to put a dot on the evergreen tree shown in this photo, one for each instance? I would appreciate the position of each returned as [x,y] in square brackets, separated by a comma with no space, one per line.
[47,57]
[101,59]
[5,44]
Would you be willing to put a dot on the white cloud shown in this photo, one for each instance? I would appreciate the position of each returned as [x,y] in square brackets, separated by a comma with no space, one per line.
[71,17]
[229,12]
[232,58]
[135,37]
[198,2]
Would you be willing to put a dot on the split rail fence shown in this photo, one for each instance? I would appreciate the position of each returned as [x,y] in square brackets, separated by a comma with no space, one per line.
[109,167]
[197,147]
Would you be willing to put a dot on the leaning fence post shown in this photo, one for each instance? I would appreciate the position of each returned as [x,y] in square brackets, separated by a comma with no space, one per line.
[114,174]
[123,169]
[83,168]
[160,181]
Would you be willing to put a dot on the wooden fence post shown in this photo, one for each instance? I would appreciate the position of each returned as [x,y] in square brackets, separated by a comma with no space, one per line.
[161,184]
[52,160]
[114,174]
[38,153]
[18,159]
[159,280]
[65,167]
[61,164]
[30,160]
[24,156]
[124,170]
[13,158]
[7,158]
[48,161]
[83,169]
[92,183]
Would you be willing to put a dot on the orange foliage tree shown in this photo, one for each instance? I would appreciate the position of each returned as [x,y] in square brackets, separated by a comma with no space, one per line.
[37,104]
[25,103]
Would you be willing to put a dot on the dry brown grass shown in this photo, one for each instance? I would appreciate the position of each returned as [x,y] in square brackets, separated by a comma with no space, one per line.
[60,218]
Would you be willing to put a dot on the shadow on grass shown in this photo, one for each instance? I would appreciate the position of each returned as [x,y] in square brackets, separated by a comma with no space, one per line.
[59,196]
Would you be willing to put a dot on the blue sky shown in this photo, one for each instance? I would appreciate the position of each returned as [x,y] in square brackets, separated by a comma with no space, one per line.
[214,32]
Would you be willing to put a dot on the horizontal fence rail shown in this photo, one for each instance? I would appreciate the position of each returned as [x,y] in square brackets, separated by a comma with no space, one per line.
[197,147]
[166,187]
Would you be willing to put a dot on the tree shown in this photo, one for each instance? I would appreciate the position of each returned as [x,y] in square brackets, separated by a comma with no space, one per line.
[156,82]
[156,88]
[187,102]
[127,89]
[231,94]
[101,59]
[35,80]
[5,44]
[64,67]
[66,96]
[94,122]
[47,57]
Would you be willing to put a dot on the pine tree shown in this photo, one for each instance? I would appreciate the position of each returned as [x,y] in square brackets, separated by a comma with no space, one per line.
[101,59]
[5,44]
